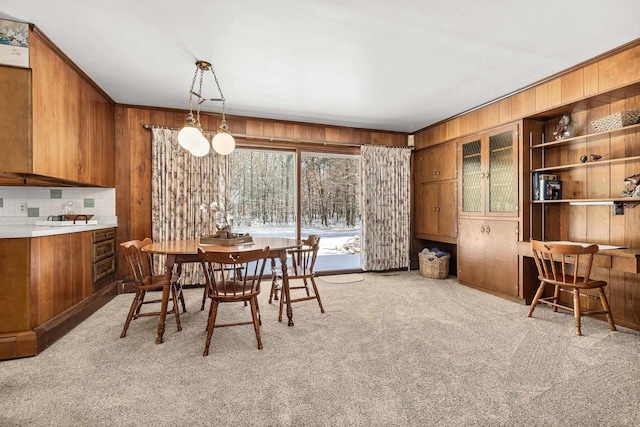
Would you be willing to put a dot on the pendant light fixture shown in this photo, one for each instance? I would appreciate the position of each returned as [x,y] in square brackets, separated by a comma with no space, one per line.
[191,137]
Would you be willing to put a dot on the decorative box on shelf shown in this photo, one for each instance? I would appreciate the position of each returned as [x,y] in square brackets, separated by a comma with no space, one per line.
[226,239]
[616,120]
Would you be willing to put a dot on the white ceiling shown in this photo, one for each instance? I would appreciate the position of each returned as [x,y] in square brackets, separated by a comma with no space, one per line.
[392,65]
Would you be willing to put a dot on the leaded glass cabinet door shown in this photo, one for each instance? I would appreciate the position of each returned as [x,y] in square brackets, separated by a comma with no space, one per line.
[471,197]
[501,173]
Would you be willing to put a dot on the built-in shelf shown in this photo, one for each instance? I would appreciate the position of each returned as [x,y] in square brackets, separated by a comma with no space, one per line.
[586,164]
[596,201]
[573,139]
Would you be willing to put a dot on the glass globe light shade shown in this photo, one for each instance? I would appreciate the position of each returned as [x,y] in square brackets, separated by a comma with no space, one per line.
[223,143]
[189,137]
[202,147]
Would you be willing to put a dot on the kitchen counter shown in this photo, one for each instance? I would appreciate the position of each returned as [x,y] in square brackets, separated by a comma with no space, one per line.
[8,231]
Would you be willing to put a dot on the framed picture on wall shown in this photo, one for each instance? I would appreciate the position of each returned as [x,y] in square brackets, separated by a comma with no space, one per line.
[14,43]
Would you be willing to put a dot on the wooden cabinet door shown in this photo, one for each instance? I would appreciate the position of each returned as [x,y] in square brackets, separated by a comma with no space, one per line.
[436,214]
[420,166]
[501,256]
[430,194]
[501,173]
[61,268]
[471,244]
[15,119]
[437,163]
[472,191]
[426,209]
[488,254]
[489,173]
[420,209]
[447,209]
[443,158]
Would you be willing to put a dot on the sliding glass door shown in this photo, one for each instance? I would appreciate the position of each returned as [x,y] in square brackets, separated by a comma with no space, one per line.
[262,190]
[330,207]
[281,193]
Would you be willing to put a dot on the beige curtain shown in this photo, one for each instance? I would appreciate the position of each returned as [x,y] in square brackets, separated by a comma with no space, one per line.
[180,184]
[386,211]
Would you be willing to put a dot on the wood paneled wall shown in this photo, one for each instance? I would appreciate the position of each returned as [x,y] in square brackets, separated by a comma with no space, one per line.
[613,71]
[133,154]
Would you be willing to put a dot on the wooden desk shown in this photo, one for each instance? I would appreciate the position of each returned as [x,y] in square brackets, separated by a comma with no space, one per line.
[182,251]
[626,260]
[615,260]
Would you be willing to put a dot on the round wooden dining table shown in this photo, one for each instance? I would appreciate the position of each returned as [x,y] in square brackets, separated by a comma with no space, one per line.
[182,251]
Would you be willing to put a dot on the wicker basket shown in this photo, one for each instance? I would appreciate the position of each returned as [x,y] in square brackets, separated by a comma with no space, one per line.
[617,120]
[433,267]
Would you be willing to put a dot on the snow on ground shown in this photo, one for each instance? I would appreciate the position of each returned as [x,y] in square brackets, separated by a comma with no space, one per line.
[330,240]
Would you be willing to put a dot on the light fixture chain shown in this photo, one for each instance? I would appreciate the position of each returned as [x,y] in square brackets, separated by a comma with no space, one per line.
[201,99]
[193,83]
[223,125]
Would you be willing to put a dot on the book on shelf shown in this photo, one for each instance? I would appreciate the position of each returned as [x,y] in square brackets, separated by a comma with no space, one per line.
[536,184]
[550,189]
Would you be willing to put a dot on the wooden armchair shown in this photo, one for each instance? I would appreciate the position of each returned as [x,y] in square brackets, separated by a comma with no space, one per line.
[301,274]
[233,287]
[559,265]
[141,266]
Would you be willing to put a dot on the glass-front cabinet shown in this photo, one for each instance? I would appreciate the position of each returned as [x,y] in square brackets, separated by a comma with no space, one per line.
[489,165]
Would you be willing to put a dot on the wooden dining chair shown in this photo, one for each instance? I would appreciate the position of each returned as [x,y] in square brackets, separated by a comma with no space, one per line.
[141,266]
[560,266]
[301,274]
[230,271]
[233,287]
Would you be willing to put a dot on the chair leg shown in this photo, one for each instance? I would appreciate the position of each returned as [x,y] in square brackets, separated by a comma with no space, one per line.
[184,306]
[306,287]
[140,296]
[176,309]
[213,311]
[256,326]
[605,307]
[536,298]
[315,290]
[556,297]
[134,306]
[258,310]
[576,310]
[204,296]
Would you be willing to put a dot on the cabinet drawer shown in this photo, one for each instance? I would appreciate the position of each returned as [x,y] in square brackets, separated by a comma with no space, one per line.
[102,269]
[102,250]
[105,234]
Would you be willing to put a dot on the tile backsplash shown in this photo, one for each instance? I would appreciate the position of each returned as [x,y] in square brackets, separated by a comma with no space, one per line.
[44,201]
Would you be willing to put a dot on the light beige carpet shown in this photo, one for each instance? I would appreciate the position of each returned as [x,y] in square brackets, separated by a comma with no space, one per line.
[391,350]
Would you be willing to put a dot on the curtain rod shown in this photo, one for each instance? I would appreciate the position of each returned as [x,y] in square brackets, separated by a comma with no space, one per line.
[277,139]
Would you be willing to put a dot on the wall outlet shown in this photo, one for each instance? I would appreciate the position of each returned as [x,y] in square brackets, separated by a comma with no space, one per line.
[22,209]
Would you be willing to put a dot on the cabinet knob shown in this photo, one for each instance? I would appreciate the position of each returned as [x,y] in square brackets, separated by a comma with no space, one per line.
[437,208]
[488,229]
[482,229]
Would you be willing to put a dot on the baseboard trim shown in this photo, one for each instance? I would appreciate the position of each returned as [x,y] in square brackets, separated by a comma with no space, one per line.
[52,330]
